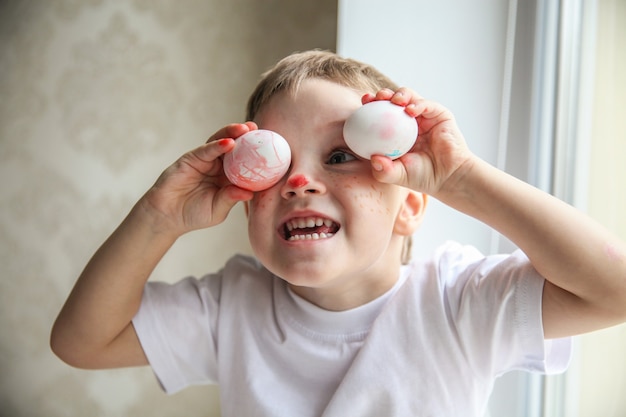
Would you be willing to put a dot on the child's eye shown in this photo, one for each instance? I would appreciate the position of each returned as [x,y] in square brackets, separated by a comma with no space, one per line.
[340,157]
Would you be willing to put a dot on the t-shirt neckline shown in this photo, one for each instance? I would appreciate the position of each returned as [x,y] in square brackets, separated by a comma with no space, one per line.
[347,325]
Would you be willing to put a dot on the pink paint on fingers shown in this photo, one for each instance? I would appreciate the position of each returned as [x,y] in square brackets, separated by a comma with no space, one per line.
[224,142]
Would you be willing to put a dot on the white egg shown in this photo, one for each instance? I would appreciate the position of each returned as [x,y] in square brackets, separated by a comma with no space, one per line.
[380,128]
[258,161]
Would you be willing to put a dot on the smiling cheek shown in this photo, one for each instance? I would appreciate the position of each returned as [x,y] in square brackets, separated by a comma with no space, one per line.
[260,210]
[261,200]
[367,195]
[371,202]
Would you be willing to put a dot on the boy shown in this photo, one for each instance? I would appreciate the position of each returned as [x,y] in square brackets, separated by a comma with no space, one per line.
[331,323]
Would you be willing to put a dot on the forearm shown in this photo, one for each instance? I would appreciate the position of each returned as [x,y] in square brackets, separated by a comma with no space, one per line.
[569,249]
[108,293]
[583,264]
[94,327]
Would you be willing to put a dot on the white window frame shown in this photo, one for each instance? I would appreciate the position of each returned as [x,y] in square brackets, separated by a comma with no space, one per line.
[561,126]
[543,130]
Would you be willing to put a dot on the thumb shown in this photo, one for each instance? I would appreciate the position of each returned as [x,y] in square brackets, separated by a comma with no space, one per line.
[226,199]
[389,171]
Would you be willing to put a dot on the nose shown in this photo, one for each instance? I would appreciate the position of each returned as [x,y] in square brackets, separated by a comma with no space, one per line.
[299,184]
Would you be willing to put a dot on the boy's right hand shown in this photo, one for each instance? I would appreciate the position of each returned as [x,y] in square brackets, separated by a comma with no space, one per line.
[94,329]
[194,193]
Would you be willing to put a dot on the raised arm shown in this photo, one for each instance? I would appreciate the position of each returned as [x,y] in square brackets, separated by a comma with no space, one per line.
[584,264]
[94,328]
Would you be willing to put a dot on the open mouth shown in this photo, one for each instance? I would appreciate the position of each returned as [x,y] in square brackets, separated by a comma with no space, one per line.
[309,228]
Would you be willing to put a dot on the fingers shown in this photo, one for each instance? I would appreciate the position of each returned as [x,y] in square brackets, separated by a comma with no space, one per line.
[221,142]
[233,131]
[404,97]
[428,112]
[203,158]
[384,94]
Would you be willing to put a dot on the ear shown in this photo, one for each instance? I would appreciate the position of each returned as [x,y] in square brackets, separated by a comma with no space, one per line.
[411,213]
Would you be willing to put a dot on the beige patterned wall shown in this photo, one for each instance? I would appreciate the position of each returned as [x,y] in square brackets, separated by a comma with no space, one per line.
[97,97]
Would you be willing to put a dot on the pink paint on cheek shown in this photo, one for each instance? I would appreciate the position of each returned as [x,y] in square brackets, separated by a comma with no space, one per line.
[298,181]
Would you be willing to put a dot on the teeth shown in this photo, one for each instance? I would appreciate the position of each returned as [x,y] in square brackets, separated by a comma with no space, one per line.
[303,223]
[309,223]
[311,236]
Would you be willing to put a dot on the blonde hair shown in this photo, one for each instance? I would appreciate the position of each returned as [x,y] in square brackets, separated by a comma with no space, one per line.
[291,71]
[288,74]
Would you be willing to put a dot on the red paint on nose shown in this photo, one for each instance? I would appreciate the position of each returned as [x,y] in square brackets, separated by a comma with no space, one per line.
[298,181]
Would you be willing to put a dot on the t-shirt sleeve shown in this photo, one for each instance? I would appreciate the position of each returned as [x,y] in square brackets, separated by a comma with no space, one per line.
[495,303]
[176,325]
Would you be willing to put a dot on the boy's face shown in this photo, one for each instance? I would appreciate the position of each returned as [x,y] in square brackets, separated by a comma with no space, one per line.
[328,228]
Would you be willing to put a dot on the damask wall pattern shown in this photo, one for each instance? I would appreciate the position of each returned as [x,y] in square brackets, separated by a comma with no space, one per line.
[97,98]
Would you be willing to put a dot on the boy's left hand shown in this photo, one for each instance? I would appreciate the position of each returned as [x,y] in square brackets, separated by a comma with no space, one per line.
[584,265]
[439,153]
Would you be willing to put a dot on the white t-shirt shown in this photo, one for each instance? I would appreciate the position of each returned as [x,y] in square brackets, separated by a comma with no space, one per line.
[430,346]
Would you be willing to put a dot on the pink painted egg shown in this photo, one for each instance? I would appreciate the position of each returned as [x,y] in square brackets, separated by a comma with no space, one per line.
[258,161]
[380,128]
